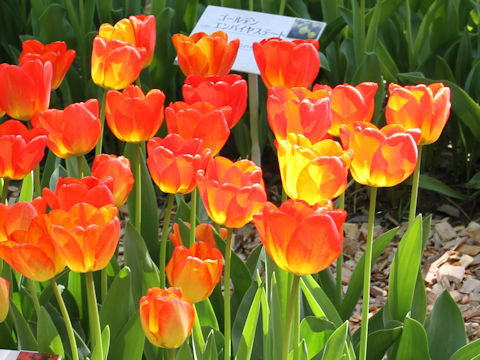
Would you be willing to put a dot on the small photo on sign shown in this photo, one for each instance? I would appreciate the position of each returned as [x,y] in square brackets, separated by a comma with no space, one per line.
[26,355]
[305,29]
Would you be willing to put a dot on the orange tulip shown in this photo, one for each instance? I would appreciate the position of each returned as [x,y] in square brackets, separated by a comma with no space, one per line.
[196,270]
[313,172]
[27,245]
[118,169]
[301,239]
[55,52]
[115,64]
[167,317]
[287,63]
[419,106]
[21,149]
[73,131]
[4,298]
[350,104]
[25,89]
[200,120]
[174,161]
[85,236]
[132,116]
[139,30]
[205,55]
[382,158]
[71,191]
[231,191]
[228,90]
[298,110]
[203,232]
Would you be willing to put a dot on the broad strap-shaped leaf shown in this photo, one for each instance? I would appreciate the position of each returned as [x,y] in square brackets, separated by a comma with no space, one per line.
[210,352]
[129,342]
[315,333]
[335,346]
[413,343]
[48,338]
[248,334]
[379,341]
[468,352]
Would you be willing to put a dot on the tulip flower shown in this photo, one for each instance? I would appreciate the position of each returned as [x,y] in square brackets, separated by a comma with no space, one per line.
[55,52]
[85,236]
[25,89]
[419,106]
[139,30]
[21,149]
[73,131]
[301,239]
[71,191]
[200,120]
[174,161]
[196,270]
[382,158]
[313,172]
[298,110]
[132,116]
[231,191]
[115,64]
[4,298]
[203,232]
[25,242]
[228,90]
[118,169]
[205,55]
[287,63]
[167,317]
[350,104]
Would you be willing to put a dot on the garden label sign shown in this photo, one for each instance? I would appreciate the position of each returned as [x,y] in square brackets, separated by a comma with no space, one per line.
[251,26]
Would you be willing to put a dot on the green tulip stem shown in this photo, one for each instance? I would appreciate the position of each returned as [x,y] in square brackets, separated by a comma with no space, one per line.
[171,354]
[36,179]
[98,148]
[341,205]
[253,109]
[33,293]
[66,318]
[95,329]
[163,242]
[281,11]
[193,216]
[138,188]
[226,293]
[366,275]
[80,166]
[5,191]
[292,304]
[415,183]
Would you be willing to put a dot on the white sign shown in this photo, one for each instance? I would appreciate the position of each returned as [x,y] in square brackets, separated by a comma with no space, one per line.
[251,26]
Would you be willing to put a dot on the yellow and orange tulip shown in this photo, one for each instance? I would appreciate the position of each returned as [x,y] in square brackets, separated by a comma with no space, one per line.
[4,298]
[350,104]
[298,110]
[21,150]
[232,192]
[133,116]
[174,161]
[118,169]
[382,158]
[419,106]
[287,63]
[85,236]
[167,317]
[25,89]
[205,55]
[301,239]
[313,172]
[55,52]
[200,120]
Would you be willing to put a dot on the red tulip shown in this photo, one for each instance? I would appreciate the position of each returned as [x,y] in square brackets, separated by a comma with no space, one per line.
[132,116]
[21,149]
[301,239]
[287,63]
[55,52]
[228,90]
[174,161]
[25,89]
[73,131]
[116,168]
[205,55]
[200,120]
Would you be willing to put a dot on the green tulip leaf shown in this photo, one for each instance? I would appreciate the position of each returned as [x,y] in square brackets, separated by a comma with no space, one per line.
[468,352]
[247,335]
[413,342]
[49,340]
